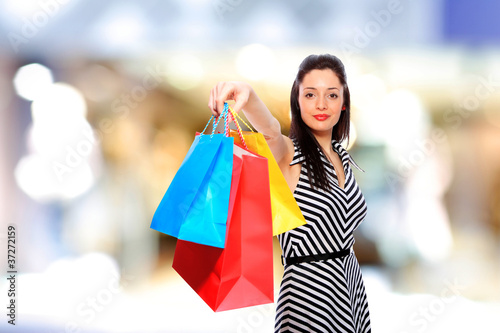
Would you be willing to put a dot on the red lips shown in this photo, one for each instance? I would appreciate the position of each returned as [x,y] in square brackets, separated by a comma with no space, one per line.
[321,117]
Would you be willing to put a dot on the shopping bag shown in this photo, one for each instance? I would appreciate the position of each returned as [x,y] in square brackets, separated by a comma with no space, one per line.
[241,274]
[286,213]
[195,205]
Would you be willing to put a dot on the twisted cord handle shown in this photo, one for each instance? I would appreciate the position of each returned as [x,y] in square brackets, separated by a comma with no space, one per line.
[244,122]
[238,128]
[226,113]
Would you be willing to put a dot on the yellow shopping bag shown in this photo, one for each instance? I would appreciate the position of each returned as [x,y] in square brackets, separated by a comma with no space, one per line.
[286,212]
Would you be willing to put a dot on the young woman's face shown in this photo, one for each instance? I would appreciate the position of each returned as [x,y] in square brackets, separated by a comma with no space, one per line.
[321,97]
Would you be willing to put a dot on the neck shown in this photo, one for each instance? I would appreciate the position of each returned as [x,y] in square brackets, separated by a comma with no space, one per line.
[324,140]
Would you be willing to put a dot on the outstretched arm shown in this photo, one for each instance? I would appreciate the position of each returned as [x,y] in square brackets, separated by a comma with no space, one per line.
[256,112]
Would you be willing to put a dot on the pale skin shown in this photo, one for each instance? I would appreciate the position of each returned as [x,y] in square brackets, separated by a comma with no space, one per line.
[320,101]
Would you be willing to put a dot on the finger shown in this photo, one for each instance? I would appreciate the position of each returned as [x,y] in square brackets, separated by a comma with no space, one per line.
[238,105]
[216,96]
[211,102]
[240,101]
[223,92]
[210,97]
[215,105]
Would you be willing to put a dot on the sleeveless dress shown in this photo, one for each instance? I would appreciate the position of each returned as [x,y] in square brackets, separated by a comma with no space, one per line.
[324,296]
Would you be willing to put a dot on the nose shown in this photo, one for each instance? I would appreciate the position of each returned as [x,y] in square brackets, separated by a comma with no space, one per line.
[320,104]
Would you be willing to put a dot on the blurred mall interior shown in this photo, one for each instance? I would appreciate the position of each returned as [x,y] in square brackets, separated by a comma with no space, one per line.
[100,102]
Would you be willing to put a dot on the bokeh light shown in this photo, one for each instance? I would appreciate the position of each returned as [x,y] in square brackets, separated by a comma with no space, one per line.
[32,80]
[47,180]
[255,62]
[184,71]
[59,103]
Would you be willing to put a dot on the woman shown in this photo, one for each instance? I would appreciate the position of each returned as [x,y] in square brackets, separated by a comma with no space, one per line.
[322,288]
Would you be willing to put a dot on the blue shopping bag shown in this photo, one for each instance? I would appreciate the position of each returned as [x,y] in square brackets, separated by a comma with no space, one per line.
[195,206]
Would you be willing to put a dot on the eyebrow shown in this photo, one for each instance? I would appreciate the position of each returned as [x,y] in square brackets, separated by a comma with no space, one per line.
[332,88]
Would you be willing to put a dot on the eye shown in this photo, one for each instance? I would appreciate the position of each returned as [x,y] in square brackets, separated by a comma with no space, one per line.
[333,96]
[309,95]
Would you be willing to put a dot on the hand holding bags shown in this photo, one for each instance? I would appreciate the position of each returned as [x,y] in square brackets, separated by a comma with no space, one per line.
[195,206]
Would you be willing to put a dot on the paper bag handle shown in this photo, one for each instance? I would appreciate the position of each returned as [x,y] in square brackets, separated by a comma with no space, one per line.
[226,113]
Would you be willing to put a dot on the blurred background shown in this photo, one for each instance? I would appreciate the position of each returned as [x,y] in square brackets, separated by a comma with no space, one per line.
[99,103]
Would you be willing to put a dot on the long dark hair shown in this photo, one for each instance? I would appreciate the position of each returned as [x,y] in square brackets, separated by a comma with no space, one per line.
[302,134]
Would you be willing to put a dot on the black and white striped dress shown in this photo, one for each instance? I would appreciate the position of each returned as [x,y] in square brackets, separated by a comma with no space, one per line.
[324,296]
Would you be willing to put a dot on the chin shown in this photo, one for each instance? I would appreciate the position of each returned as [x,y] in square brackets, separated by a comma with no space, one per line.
[321,130]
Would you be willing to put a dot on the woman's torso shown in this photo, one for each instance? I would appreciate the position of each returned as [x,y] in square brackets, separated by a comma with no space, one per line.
[332,216]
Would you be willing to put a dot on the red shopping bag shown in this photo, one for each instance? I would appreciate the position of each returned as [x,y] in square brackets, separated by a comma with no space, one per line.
[241,274]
